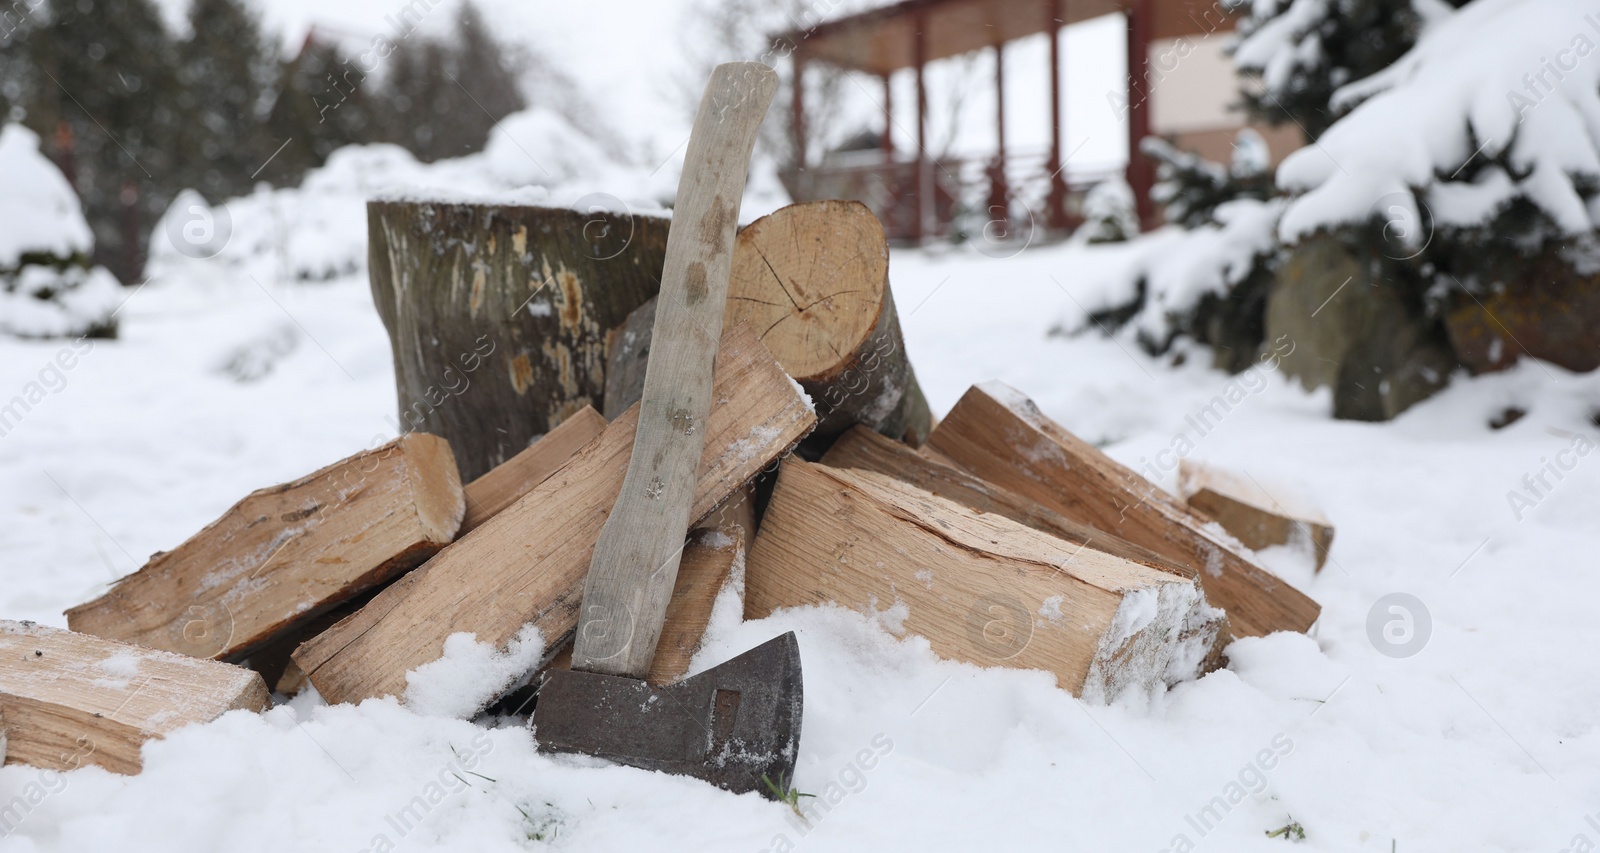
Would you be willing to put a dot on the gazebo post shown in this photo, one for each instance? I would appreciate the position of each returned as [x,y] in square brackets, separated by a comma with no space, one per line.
[886,144]
[1056,206]
[919,226]
[1141,172]
[797,106]
[999,192]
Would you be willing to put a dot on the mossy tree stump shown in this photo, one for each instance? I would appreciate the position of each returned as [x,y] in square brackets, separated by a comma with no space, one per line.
[498,315]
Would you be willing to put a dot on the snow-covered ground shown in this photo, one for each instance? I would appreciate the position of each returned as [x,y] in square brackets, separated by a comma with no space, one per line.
[1483,738]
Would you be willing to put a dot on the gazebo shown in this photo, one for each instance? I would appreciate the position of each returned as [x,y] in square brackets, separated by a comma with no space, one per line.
[915,194]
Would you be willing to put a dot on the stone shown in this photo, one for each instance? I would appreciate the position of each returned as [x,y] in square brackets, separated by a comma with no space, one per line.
[1342,320]
[1547,307]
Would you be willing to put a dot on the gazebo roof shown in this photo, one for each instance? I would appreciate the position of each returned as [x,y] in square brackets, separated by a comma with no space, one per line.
[883,40]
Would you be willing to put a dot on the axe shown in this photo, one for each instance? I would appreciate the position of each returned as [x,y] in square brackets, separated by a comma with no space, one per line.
[736,725]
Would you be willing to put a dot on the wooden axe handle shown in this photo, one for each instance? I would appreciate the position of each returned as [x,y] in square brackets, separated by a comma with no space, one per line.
[636,558]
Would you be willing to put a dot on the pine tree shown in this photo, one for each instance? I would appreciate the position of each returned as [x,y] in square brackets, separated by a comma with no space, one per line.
[226,71]
[1189,188]
[323,103]
[446,96]
[1304,50]
[109,76]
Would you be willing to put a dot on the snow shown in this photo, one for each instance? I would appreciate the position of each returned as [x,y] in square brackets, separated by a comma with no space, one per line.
[1483,739]
[1177,267]
[40,216]
[79,299]
[471,674]
[1499,81]
[39,212]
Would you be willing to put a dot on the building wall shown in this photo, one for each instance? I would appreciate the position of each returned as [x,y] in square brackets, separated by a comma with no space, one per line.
[1194,87]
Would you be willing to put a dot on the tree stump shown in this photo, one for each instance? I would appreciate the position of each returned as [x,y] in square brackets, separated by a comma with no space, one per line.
[813,281]
[498,315]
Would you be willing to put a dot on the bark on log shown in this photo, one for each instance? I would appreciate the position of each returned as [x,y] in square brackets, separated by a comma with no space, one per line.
[627,356]
[980,587]
[813,280]
[498,315]
[999,435]
[70,699]
[527,564]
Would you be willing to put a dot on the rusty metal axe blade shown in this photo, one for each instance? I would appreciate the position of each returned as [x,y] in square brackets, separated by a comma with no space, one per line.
[731,725]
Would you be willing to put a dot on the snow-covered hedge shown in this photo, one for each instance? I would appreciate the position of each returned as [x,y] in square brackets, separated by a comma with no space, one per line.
[46,286]
[1180,268]
[1497,104]
[318,230]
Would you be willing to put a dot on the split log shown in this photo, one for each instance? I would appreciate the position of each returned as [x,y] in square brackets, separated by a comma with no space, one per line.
[1255,517]
[498,315]
[713,559]
[527,564]
[517,476]
[980,587]
[999,435]
[866,450]
[284,555]
[70,699]
[813,278]
[485,497]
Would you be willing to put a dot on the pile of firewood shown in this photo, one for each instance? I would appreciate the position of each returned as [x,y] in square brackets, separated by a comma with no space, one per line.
[996,534]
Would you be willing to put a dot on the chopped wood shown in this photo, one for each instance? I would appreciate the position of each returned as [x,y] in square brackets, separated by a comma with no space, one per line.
[69,699]
[713,559]
[527,564]
[999,435]
[284,555]
[866,450]
[813,278]
[1257,518]
[498,314]
[980,587]
[517,476]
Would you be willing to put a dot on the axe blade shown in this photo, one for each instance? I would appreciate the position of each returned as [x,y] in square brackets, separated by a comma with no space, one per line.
[730,725]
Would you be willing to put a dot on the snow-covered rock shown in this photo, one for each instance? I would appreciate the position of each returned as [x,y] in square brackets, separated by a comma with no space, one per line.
[318,230]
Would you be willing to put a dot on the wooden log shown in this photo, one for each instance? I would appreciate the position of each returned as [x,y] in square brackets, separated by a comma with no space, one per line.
[866,450]
[517,476]
[485,497]
[980,587]
[70,699]
[999,435]
[527,564]
[1257,518]
[284,555]
[713,558]
[627,356]
[498,315]
[813,278]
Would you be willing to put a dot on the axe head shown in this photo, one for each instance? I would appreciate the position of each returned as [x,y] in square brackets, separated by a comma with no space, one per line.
[730,725]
